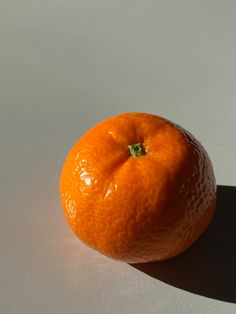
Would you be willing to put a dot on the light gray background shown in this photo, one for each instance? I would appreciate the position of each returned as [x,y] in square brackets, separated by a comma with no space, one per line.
[64,65]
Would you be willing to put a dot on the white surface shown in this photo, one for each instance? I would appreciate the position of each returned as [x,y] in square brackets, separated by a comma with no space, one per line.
[66,65]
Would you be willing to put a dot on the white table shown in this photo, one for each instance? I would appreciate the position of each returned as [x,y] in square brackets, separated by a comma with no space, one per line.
[64,65]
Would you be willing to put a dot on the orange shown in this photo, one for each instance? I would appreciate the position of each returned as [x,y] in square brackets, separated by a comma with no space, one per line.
[138,188]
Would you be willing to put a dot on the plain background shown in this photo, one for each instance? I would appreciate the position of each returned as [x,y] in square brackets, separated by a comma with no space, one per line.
[65,65]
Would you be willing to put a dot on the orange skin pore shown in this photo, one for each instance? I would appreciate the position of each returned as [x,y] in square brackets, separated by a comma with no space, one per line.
[138,209]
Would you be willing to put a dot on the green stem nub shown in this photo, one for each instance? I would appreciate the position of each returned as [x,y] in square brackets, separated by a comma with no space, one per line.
[136,150]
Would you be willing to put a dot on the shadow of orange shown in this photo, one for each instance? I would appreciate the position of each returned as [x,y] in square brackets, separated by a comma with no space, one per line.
[208,268]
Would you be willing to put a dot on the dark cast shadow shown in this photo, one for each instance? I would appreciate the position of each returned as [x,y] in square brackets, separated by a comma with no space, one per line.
[208,267]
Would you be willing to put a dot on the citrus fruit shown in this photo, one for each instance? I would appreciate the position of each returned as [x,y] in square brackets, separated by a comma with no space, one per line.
[138,188]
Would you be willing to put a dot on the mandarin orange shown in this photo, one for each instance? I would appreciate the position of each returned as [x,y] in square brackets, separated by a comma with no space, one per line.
[138,188]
